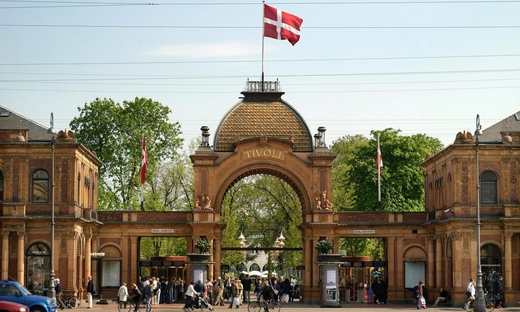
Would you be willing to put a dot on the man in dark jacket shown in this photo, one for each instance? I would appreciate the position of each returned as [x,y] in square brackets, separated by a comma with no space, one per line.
[498,290]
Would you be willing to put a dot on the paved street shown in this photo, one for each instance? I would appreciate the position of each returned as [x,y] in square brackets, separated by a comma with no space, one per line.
[294,306]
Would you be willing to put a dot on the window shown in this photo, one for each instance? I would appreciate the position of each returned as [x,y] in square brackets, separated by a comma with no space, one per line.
[40,187]
[111,273]
[488,191]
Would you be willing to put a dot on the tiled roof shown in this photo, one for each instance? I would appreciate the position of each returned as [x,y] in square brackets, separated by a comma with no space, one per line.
[270,117]
[14,121]
[510,124]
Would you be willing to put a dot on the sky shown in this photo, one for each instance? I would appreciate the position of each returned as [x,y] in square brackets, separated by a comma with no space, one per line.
[418,66]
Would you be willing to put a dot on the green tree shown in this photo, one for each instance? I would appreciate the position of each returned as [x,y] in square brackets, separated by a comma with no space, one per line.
[262,207]
[114,132]
[402,182]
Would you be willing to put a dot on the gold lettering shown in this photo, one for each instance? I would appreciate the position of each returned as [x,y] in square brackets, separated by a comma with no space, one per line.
[265,152]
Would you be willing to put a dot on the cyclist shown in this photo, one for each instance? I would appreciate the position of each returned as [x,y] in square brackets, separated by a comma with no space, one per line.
[267,294]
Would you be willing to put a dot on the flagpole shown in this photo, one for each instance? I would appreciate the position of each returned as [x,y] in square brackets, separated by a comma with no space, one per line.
[379,175]
[263,38]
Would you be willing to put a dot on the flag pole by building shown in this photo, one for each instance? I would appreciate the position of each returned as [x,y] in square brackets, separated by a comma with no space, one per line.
[144,165]
[379,169]
[263,39]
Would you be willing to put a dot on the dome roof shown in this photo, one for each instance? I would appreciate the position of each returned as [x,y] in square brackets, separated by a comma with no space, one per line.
[262,114]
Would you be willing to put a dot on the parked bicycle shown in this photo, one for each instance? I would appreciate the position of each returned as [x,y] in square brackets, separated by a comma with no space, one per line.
[260,305]
[469,305]
[70,301]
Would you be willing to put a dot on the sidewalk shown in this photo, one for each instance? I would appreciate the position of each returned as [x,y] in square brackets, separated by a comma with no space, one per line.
[293,306]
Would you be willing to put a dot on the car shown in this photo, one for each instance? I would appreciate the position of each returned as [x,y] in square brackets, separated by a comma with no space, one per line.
[13,291]
[7,306]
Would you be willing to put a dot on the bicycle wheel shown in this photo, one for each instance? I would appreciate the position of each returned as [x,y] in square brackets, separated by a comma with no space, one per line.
[489,306]
[254,306]
[73,301]
[121,306]
[274,306]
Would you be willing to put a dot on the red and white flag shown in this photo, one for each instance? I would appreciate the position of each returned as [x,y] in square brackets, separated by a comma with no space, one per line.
[281,25]
[144,162]
[379,159]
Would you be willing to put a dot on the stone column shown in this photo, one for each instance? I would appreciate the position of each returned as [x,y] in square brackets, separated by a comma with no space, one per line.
[430,258]
[88,261]
[5,255]
[508,276]
[390,261]
[134,259]
[21,257]
[457,260]
[216,256]
[399,269]
[309,267]
[438,262]
[125,272]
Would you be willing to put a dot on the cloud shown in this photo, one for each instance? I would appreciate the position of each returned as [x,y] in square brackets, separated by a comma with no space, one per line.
[207,50]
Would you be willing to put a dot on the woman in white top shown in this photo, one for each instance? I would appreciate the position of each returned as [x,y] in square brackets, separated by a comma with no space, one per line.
[470,293]
[190,293]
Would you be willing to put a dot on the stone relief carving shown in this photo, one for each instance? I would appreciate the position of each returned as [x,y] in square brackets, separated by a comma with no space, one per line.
[203,202]
[322,203]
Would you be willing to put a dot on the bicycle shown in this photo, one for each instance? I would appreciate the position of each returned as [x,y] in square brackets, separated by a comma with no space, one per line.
[70,301]
[130,305]
[261,304]
[469,305]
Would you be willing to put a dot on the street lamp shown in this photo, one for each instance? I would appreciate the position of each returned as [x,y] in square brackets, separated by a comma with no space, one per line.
[52,291]
[480,303]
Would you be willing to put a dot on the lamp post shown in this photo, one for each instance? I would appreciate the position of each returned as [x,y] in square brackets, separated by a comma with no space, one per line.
[52,291]
[480,303]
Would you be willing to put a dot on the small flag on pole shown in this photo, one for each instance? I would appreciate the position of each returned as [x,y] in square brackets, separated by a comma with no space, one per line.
[144,162]
[281,25]
[379,159]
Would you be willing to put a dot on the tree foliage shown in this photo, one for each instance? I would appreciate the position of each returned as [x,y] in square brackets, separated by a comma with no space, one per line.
[114,132]
[262,207]
[402,182]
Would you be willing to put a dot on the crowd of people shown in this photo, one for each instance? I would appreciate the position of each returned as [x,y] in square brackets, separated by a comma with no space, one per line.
[235,291]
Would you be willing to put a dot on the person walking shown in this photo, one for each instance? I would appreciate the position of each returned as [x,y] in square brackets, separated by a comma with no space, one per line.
[122,294]
[421,301]
[90,291]
[190,294]
[470,293]
[234,295]
[498,290]
[57,289]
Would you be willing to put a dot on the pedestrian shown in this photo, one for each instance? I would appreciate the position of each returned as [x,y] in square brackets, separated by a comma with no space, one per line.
[234,295]
[498,290]
[90,291]
[57,289]
[122,294]
[421,301]
[190,294]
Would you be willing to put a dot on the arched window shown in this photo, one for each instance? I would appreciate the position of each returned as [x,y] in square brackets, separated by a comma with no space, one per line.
[491,260]
[38,267]
[254,267]
[40,186]
[488,192]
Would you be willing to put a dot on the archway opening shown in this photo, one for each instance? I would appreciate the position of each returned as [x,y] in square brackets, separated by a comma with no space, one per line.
[262,211]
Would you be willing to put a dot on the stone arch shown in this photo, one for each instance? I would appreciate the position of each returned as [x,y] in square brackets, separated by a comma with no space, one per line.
[269,169]
[111,251]
[414,253]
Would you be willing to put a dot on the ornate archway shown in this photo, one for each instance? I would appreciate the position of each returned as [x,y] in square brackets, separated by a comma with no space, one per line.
[262,134]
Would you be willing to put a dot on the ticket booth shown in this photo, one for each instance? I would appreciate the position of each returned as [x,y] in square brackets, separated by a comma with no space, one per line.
[329,283]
